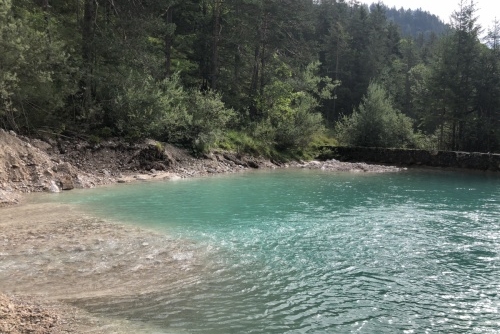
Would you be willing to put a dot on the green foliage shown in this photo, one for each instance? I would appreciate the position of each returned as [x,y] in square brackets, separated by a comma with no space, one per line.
[35,74]
[167,111]
[289,105]
[150,108]
[209,119]
[255,75]
[376,123]
[316,146]
[243,142]
[159,147]
[415,22]
[94,140]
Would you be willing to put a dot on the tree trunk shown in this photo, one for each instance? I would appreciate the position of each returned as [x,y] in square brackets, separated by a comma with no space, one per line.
[87,53]
[255,82]
[45,5]
[215,43]
[169,37]
[263,54]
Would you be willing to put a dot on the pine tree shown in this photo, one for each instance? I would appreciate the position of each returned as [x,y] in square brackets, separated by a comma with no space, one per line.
[376,123]
[454,72]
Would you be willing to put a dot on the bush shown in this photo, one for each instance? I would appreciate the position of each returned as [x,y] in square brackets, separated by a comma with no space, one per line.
[376,123]
[165,110]
[147,108]
[243,142]
[209,119]
[289,105]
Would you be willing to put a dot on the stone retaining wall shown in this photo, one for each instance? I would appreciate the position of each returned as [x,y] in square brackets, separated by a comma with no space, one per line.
[468,160]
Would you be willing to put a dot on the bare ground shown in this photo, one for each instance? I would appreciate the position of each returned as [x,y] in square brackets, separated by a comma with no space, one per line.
[52,165]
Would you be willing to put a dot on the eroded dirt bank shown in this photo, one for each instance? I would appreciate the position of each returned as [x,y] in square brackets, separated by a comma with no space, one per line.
[53,165]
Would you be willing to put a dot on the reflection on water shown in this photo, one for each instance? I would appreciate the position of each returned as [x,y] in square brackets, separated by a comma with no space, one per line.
[302,251]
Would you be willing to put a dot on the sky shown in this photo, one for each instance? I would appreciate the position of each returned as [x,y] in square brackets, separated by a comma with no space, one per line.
[487,9]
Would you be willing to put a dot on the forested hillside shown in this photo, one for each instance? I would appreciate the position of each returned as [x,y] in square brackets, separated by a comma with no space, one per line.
[261,76]
[416,23]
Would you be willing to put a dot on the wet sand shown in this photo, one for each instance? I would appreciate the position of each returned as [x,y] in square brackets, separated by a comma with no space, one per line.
[66,260]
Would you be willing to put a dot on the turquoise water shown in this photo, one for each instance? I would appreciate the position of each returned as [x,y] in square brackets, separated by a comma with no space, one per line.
[296,251]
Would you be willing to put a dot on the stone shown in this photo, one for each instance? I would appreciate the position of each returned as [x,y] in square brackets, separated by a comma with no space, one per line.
[66,182]
[41,145]
[53,188]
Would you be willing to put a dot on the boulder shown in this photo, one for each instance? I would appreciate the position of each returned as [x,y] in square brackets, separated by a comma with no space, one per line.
[53,188]
[66,182]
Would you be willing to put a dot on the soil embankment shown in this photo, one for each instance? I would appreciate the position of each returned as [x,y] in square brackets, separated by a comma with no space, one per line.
[34,165]
[53,165]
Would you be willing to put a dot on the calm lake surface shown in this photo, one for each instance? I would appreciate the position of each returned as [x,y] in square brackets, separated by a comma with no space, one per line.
[296,251]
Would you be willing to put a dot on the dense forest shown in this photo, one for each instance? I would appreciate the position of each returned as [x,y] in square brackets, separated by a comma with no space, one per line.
[415,23]
[261,76]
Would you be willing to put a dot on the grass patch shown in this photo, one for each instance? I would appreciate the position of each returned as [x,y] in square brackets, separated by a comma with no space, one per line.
[242,142]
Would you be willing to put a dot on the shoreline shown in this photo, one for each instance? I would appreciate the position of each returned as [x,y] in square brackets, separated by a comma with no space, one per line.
[55,256]
[52,255]
[33,165]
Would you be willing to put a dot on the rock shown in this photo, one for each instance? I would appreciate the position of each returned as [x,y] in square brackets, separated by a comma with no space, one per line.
[174,177]
[48,173]
[234,159]
[210,156]
[18,316]
[338,166]
[66,182]
[8,198]
[142,177]
[252,164]
[41,145]
[157,166]
[64,167]
[53,188]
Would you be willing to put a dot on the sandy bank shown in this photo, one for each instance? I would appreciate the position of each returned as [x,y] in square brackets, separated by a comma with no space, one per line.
[54,256]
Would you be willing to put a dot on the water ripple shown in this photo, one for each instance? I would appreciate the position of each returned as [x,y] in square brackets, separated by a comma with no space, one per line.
[415,252]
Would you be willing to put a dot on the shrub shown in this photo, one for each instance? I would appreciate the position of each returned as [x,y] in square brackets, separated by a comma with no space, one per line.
[289,105]
[147,108]
[209,119]
[376,123]
[165,110]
